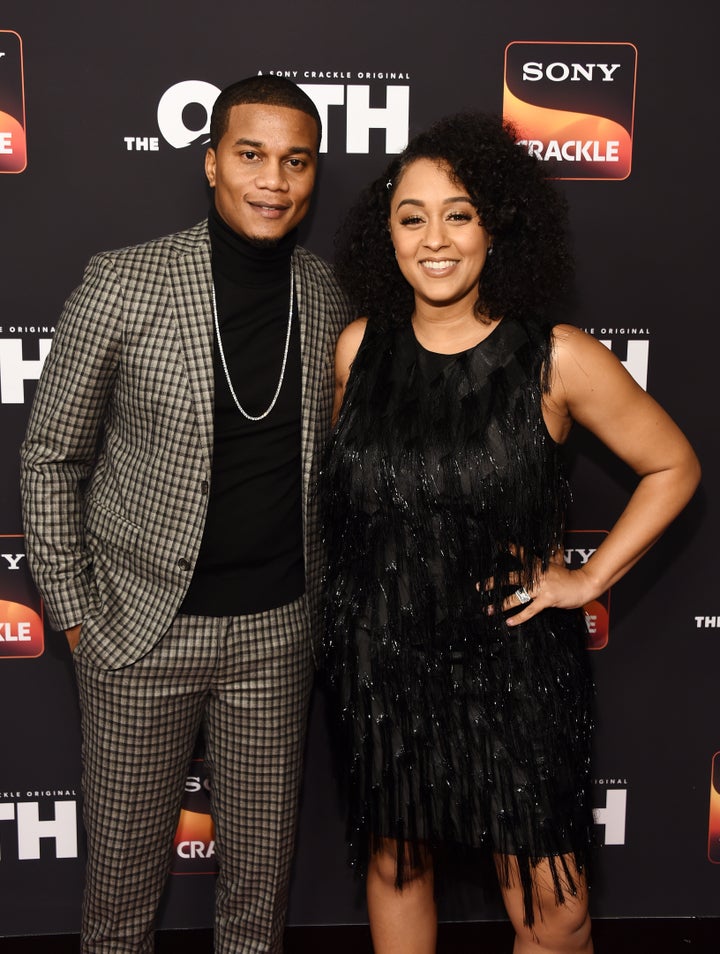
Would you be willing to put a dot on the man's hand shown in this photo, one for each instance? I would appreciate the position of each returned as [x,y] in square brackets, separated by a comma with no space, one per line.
[73,637]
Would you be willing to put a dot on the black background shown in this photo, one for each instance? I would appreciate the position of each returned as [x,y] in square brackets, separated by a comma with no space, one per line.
[647,261]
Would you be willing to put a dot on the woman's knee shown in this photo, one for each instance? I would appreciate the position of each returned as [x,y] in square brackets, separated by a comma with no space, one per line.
[415,864]
[559,898]
[563,926]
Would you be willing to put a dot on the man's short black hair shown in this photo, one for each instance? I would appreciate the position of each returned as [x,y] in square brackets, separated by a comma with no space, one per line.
[268,90]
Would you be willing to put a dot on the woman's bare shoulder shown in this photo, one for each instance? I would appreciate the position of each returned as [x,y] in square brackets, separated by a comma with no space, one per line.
[349,341]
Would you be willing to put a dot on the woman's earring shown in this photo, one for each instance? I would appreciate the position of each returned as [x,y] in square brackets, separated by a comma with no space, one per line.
[490,250]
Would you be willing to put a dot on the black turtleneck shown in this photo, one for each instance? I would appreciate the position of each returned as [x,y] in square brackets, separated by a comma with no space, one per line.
[251,558]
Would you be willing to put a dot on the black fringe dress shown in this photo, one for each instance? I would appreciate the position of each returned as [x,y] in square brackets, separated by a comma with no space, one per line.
[456,729]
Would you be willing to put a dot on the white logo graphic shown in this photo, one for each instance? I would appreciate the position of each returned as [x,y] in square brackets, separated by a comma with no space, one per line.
[16,370]
[62,829]
[612,816]
[196,783]
[360,117]
[573,554]
[575,72]
[196,849]
[172,105]
[707,622]
[574,150]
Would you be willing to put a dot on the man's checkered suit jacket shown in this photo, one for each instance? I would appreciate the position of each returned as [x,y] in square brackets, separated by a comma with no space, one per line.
[116,461]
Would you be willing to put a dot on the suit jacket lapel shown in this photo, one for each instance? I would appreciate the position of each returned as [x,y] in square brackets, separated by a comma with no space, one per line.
[311,358]
[190,280]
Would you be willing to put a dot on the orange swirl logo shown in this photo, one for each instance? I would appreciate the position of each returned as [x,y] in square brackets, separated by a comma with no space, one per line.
[573,105]
[597,620]
[714,823]
[21,631]
[13,142]
[194,841]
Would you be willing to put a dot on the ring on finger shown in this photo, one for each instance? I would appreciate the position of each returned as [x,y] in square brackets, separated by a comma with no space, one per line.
[523,595]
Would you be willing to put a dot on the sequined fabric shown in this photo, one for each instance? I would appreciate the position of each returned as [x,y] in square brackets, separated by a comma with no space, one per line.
[454,728]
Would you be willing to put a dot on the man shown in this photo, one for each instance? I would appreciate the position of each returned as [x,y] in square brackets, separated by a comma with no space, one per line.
[167,478]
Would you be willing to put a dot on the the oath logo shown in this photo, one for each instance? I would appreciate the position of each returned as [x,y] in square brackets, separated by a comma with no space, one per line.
[610,811]
[13,142]
[21,617]
[707,622]
[573,105]
[579,547]
[195,833]
[351,105]
[26,826]
[21,360]
[714,823]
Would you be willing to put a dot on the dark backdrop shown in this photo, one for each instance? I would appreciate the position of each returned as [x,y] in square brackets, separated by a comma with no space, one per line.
[102,173]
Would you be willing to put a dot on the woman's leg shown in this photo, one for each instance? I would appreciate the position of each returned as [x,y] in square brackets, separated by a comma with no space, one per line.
[558,928]
[402,920]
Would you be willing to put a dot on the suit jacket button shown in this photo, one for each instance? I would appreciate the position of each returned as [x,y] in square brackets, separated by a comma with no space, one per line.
[183,564]
[204,487]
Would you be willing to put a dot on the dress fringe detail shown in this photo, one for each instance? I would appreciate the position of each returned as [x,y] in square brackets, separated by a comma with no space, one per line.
[455,728]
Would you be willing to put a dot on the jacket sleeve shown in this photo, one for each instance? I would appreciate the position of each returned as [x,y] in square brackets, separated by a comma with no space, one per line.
[62,442]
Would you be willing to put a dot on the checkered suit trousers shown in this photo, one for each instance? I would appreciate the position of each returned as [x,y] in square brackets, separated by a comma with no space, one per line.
[247,681]
[116,466]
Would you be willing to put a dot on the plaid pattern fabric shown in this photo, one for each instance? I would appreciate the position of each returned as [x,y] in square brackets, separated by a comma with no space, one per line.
[117,456]
[247,679]
[116,466]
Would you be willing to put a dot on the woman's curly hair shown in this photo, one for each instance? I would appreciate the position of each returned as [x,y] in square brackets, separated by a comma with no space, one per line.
[529,274]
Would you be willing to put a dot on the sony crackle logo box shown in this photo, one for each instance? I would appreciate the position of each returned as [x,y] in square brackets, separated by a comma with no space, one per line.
[22,632]
[573,105]
[13,146]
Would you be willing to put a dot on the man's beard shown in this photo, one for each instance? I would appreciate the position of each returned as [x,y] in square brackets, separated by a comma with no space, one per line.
[264,242]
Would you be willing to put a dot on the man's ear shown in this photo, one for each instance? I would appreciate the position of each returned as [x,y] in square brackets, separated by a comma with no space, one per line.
[210,163]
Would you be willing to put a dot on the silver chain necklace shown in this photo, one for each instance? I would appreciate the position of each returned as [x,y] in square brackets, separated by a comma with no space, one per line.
[239,406]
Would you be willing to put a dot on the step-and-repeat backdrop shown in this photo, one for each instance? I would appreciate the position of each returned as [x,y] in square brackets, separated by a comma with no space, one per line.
[103,129]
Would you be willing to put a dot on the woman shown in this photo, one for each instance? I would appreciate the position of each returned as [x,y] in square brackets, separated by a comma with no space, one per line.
[455,634]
